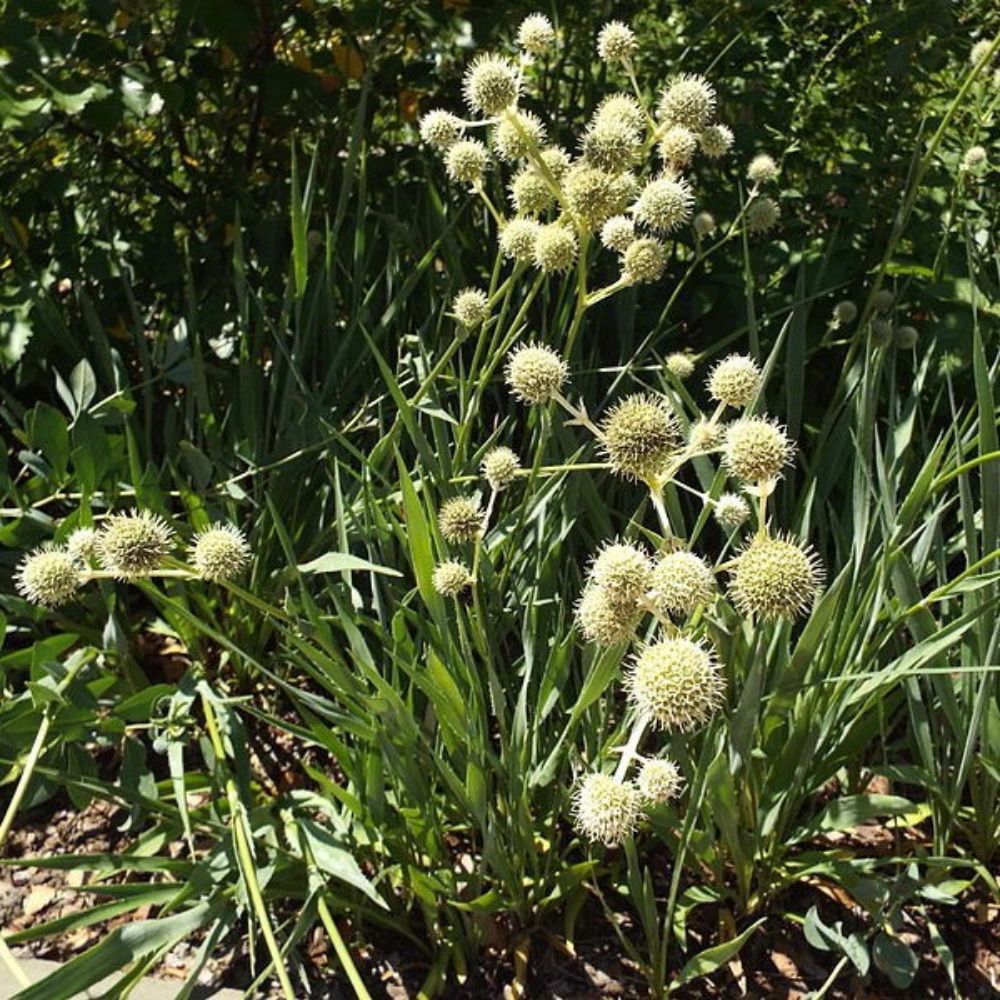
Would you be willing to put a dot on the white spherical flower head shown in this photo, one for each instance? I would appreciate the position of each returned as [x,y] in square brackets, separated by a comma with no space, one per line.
[680,365]
[441,129]
[640,436]
[605,809]
[451,578]
[974,160]
[980,51]
[466,161]
[676,683]
[133,544]
[471,308]
[535,35]
[704,224]
[762,169]
[664,204]
[756,450]
[883,300]
[735,381]
[774,578]
[535,373]
[604,620]
[220,552]
[705,435]
[716,141]
[592,195]
[731,511]
[530,193]
[624,571]
[555,248]
[616,43]
[500,467]
[48,576]
[678,146]
[611,145]
[622,110]
[762,215]
[881,333]
[517,240]
[516,136]
[682,582]
[644,261]
[82,545]
[906,338]
[492,84]
[659,781]
[460,520]
[688,100]
[617,233]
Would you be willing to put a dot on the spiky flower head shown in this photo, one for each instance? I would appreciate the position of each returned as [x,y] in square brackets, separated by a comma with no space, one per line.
[682,582]
[133,544]
[617,233]
[535,373]
[979,51]
[82,545]
[644,261]
[616,43]
[731,511]
[606,809]
[492,84]
[883,300]
[716,141]
[974,160]
[611,145]
[451,578]
[471,307]
[220,552]
[680,365]
[881,333]
[623,571]
[640,434]
[664,204]
[466,161]
[557,161]
[530,192]
[536,34]
[762,169]
[688,100]
[621,109]
[500,467]
[659,781]
[591,194]
[706,435]
[762,215]
[735,380]
[515,136]
[460,519]
[906,337]
[517,240]
[678,146]
[677,683]
[845,311]
[704,224]
[555,248]
[48,576]
[775,577]
[756,449]
[441,129]
[603,620]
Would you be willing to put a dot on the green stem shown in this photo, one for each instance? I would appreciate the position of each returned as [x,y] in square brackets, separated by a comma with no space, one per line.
[360,991]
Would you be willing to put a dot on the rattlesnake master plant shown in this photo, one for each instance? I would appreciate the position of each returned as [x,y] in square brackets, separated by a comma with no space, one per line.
[630,190]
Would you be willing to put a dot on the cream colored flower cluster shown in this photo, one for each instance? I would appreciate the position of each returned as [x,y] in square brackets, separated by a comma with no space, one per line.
[627,186]
[127,547]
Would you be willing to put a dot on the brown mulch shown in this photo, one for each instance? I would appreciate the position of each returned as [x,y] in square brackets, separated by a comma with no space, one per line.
[775,963]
